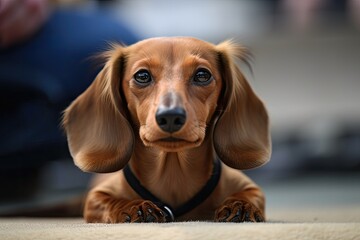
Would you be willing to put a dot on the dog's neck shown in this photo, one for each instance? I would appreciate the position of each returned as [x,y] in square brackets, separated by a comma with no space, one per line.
[173,177]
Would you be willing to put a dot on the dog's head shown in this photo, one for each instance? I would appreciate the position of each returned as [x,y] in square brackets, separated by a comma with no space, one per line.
[171,94]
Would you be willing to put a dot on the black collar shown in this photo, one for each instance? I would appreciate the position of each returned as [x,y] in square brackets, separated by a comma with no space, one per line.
[187,206]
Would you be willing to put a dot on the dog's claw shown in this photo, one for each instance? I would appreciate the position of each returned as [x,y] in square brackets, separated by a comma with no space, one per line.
[150,218]
[258,218]
[127,219]
[226,213]
[237,217]
[247,217]
[238,213]
[161,213]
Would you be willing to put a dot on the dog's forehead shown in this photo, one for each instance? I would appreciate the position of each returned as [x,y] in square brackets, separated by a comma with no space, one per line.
[176,47]
[168,42]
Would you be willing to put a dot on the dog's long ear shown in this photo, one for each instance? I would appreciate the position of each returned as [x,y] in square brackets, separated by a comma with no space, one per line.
[99,136]
[241,134]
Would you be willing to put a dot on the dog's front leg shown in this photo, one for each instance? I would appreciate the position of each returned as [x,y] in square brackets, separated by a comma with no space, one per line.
[101,207]
[245,206]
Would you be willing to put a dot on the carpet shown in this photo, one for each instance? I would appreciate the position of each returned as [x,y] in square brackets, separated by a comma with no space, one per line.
[45,229]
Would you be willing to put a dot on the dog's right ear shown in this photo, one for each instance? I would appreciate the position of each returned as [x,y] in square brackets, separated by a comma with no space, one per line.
[100,137]
[242,133]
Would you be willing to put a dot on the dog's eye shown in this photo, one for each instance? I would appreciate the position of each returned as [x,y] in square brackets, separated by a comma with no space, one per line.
[202,76]
[143,77]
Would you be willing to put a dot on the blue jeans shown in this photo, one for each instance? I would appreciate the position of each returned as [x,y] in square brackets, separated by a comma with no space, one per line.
[40,77]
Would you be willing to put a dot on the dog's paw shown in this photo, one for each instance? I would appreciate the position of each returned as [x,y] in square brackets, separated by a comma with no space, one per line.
[135,212]
[238,211]
[146,211]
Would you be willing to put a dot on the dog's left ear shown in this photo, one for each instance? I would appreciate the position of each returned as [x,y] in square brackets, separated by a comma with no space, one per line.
[99,135]
[241,135]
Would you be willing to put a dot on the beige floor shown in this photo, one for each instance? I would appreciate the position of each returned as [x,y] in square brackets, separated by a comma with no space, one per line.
[21,229]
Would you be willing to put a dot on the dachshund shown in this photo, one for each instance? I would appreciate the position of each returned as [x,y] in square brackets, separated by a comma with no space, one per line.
[173,120]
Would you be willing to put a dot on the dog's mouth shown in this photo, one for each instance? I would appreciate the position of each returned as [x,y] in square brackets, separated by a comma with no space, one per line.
[172,144]
[171,139]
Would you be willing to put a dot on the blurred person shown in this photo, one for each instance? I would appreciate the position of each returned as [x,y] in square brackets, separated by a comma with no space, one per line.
[44,51]
[305,13]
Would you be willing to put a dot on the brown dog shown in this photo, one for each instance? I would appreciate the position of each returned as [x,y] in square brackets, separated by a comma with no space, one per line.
[168,109]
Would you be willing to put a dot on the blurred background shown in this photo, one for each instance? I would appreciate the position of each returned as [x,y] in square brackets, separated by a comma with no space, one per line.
[306,68]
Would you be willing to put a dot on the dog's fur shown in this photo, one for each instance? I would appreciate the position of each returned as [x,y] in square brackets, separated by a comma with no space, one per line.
[113,124]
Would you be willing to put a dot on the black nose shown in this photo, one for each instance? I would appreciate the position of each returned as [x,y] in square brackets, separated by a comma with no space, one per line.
[170,119]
